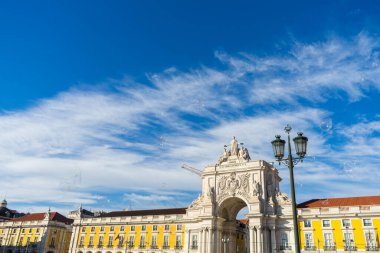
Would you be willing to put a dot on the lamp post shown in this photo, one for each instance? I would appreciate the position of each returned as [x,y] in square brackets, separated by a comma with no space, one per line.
[225,240]
[300,143]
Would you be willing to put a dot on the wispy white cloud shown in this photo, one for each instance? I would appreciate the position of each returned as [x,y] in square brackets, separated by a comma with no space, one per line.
[83,144]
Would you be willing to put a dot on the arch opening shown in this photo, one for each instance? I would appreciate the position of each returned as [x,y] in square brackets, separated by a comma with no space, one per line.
[234,231]
[230,208]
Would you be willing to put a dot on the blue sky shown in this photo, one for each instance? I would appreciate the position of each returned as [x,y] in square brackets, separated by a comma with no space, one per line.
[103,101]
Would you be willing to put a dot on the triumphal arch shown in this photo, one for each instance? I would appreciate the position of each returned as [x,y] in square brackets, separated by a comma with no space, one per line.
[236,181]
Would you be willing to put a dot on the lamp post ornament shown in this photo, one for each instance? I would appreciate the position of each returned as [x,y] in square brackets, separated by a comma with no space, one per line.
[300,143]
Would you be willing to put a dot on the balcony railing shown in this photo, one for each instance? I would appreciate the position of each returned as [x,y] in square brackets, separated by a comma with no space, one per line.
[350,248]
[309,247]
[100,245]
[165,247]
[194,246]
[109,246]
[142,246]
[81,245]
[178,247]
[285,247]
[372,248]
[154,247]
[326,248]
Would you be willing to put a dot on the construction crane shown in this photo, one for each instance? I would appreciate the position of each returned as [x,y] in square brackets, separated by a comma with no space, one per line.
[191,169]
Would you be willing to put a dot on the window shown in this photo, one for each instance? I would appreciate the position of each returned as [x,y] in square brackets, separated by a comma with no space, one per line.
[166,241]
[370,240]
[14,230]
[346,223]
[91,241]
[38,230]
[133,228]
[84,229]
[21,239]
[309,240]
[110,240]
[122,228]
[328,240]
[154,241]
[284,241]
[112,228]
[52,242]
[92,229]
[307,224]
[179,227]
[102,229]
[326,223]
[143,227]
[81,241]
[178,240]
[367,222]
[131,241]
[121,240]
[142,241]
[167,227]
[194,242]
[100,244]
[23,230]
[154,227]
[348,240]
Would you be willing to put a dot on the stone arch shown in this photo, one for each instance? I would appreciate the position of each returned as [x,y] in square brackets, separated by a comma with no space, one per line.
[89,252]
[99,251]
[230,207]
[80,251]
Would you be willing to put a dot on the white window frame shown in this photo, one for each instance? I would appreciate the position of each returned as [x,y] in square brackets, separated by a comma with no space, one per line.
[368,224]
[328,240]
[309,240]
[327,225]
[346,224]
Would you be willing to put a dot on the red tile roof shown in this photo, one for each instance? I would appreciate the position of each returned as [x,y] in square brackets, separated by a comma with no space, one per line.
[145,212]
[244,221]
[54,216]
[350,201]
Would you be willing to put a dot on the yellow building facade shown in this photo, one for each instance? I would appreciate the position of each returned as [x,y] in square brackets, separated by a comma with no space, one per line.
[36,233]
[161,230]
[340,224]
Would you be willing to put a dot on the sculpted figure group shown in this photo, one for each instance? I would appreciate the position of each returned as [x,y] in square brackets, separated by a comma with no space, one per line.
[241,153]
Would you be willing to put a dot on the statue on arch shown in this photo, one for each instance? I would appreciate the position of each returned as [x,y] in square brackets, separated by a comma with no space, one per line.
[234,147]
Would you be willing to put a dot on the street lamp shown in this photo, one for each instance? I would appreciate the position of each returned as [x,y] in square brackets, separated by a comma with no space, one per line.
[225,240]
[278,145]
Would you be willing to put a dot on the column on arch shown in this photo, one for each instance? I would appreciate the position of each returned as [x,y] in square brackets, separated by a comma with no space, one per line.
[273,238]
[187,240]
[260,239]
[210,241]
[252,248]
